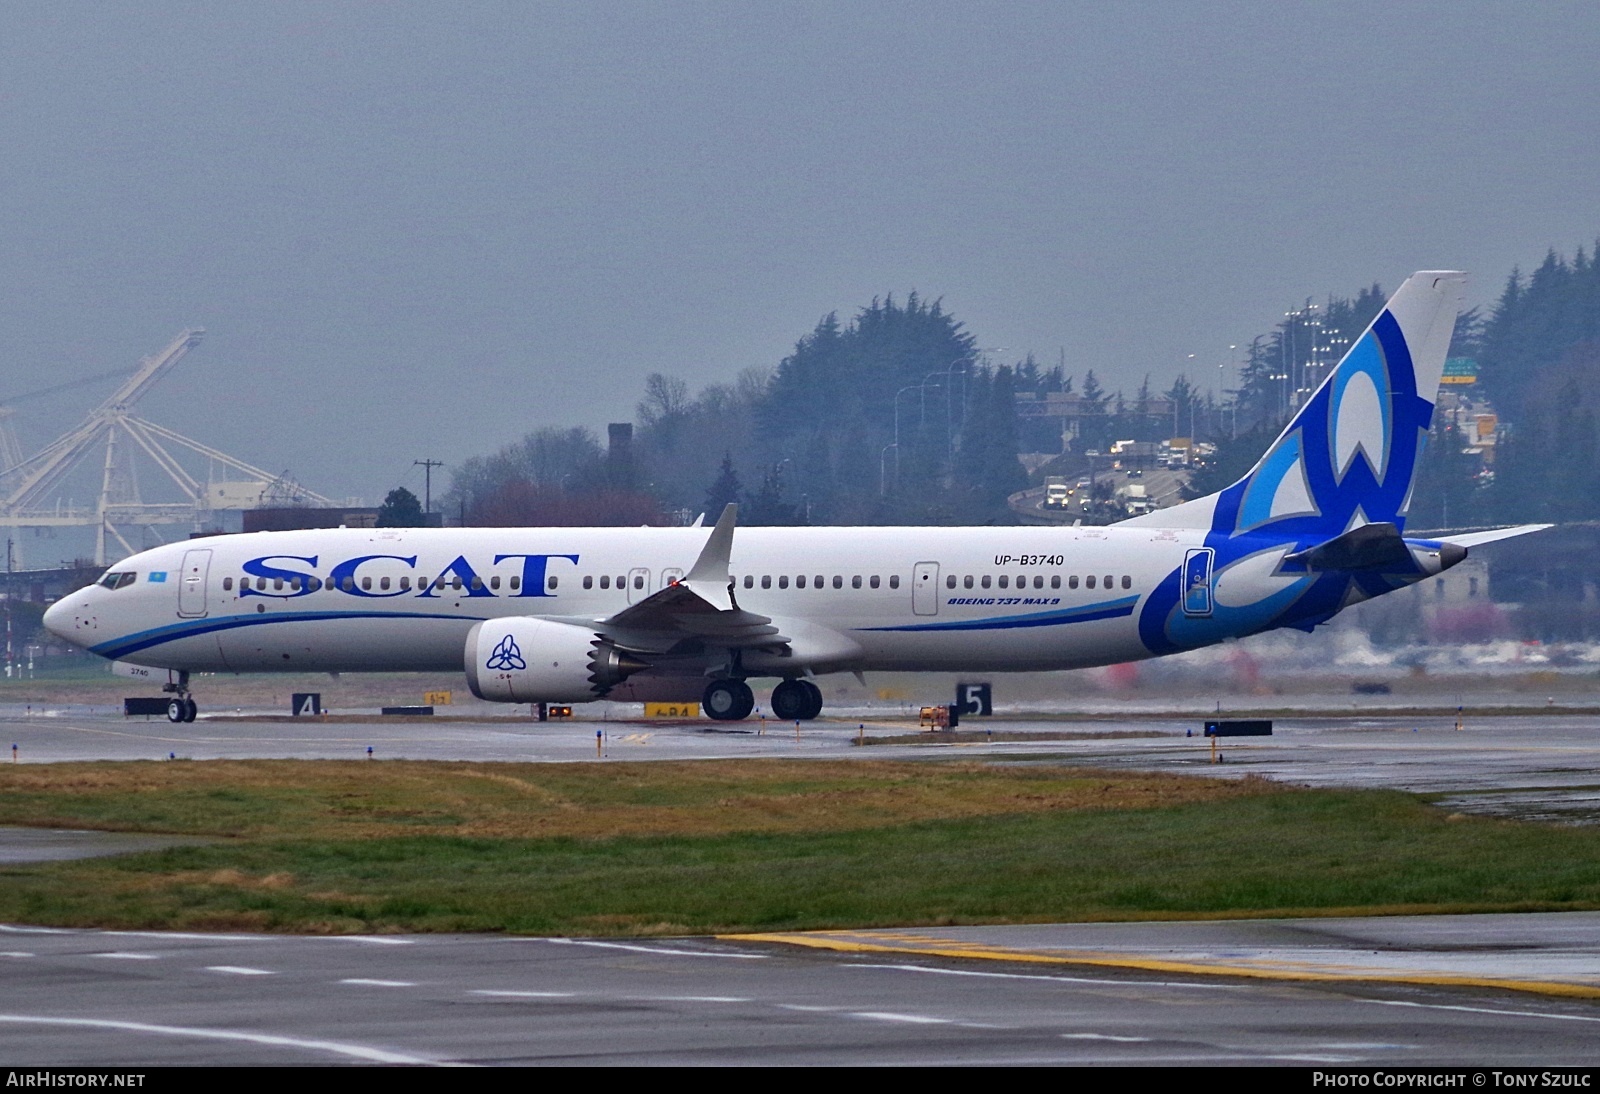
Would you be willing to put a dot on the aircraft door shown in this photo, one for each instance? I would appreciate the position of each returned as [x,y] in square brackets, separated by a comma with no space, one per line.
[925,588]
[638,584]
[192,582]
[1197,582]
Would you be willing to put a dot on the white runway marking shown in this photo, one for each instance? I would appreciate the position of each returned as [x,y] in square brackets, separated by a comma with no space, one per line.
[526,994]
[1104,1037]
[375,940]
[1485,1010]
[651,949]
[366,983]
[127,956]
[890,1016]
[692,999]
[338,1048]
[164,935]
[14,953]
[239,970]
[1036,976]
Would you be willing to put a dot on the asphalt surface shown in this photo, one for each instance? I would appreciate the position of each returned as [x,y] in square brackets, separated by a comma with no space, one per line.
[131,999]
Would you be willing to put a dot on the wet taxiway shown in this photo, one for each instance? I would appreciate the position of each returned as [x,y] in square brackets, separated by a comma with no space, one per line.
[144,998]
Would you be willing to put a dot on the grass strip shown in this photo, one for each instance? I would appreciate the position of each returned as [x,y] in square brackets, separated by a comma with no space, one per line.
[1169,847]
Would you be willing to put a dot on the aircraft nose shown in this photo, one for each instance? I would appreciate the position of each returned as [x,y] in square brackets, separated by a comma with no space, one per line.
[59,620]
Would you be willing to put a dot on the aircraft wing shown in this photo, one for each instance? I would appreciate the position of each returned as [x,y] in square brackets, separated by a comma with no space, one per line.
[699,606]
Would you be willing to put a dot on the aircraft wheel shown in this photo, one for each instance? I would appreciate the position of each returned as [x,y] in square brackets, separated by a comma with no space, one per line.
[813,700]
[728,700]
[176,709]
[190,709]
[792,701]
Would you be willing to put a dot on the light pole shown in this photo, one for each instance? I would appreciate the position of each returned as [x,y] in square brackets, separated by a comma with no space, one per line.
[902,391]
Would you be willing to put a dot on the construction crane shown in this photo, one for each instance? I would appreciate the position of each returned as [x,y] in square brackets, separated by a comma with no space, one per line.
[26,484]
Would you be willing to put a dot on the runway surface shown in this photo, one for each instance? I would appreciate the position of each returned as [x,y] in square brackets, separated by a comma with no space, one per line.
[131,999]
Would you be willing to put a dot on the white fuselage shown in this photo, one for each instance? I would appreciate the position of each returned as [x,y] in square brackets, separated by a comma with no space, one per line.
[850,599]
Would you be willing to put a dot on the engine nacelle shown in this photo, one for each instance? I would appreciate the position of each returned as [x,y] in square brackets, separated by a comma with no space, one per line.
[523,660]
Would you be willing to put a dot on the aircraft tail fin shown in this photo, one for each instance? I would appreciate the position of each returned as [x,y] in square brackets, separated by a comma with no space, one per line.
[1349,456]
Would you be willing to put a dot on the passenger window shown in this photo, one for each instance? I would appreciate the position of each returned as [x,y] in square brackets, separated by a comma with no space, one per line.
[966,582]
[1055,581]
[348,584]
[551,582]
[818,583]
[316,583]
[455,582]
[1108,581]
[1089,581]
[873,581]
[622,582]
[277,584]
[1072,582]
[588,582]
[516,583]
[783,581]
[950,582]
[477,582]
[383,583]
[638,582]
[766,581]
[855,582]
[494,582]
[366,583]
[1038,581]
[227,584]
[838,582]
[984,581]
[261,584]
[1127,582]
[749,581]
[800,582]
[1005,581]
[605,581]
[405,584]
[894,581]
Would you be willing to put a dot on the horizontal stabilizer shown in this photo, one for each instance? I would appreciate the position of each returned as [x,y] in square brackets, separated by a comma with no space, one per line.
[1369,547]
[1475,539]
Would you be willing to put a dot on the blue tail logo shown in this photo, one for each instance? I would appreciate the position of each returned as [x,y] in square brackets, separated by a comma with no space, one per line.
[1348,458]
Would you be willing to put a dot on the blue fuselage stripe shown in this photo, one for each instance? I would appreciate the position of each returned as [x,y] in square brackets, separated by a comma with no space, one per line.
[133,643]
[1111,609]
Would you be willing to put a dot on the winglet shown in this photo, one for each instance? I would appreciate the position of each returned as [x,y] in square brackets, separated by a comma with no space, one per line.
[708,577]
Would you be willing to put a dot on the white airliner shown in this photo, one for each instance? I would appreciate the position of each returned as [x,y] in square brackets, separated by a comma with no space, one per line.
[570,615]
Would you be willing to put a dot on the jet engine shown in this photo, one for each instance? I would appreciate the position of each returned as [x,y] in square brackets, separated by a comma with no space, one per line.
[519,659]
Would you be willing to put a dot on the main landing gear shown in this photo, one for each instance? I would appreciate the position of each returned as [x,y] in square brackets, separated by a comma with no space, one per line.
[792,701]
[728,700]
[796,701]
[181,707]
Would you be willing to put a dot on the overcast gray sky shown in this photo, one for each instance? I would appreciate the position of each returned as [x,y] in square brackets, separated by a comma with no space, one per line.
[421,230]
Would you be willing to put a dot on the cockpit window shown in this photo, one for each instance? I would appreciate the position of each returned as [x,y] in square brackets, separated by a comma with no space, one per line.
[116,580]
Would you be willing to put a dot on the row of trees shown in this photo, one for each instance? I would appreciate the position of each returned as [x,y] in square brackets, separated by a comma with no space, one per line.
[891,418]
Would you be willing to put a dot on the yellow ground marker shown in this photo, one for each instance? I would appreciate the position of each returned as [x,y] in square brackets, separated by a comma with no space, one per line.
[926,946]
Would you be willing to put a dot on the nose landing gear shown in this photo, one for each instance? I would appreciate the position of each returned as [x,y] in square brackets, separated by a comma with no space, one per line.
[181,707]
